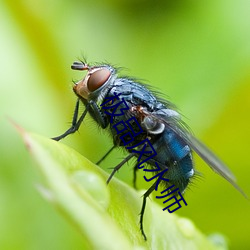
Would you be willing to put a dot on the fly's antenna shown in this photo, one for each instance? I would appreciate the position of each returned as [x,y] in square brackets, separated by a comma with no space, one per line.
[80,66]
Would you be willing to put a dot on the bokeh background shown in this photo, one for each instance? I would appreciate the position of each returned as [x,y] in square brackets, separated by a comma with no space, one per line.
[195,52]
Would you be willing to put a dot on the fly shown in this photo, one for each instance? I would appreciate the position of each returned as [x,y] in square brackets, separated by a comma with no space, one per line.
[154,121]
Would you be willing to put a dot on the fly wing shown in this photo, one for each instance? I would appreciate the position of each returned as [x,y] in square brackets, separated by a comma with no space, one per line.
[175,124]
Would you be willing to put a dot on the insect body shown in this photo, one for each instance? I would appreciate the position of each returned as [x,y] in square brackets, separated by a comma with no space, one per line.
[154,132]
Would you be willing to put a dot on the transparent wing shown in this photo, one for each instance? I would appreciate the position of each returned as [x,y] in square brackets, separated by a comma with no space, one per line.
[175,124]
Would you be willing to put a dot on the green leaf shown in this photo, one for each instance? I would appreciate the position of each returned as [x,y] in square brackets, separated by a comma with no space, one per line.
[106,215]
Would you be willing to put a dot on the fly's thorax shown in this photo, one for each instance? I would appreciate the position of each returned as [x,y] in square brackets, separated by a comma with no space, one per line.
[94,85]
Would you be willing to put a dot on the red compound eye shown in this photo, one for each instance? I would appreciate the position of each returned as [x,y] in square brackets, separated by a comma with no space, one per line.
[97,79]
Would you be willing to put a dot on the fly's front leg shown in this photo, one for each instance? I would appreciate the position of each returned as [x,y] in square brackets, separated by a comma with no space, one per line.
[75,124]
[97,114]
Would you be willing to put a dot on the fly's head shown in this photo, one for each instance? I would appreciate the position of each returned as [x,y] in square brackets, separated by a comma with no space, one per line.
[95,81]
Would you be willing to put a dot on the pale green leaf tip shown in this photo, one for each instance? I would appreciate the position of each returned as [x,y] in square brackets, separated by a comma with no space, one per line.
[107,216]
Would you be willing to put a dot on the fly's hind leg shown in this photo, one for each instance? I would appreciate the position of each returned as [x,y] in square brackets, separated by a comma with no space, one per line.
[145,196]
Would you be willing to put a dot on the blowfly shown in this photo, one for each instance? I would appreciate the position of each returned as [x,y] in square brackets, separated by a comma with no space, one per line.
[148,127]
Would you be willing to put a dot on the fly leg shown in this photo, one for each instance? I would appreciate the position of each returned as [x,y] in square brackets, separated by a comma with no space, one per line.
[134,174]
[97,114]
[145,196]
[105,155]
[75,124]
[119,166]
[93,109]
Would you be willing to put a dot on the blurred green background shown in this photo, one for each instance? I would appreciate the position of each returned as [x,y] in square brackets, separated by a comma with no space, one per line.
[195,52]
